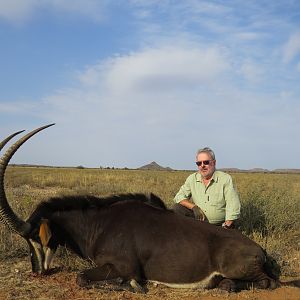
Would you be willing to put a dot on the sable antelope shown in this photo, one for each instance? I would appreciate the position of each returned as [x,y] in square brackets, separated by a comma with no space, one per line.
[136,238]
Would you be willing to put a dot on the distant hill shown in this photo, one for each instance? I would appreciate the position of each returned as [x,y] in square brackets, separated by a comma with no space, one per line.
[286,171]
[154,166]
[234,170]
[258,170]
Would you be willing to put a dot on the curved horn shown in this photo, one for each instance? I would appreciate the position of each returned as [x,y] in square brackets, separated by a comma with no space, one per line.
[4,142]
[7,216]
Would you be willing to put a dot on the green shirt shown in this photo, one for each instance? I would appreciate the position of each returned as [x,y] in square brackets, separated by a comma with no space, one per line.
[219,200]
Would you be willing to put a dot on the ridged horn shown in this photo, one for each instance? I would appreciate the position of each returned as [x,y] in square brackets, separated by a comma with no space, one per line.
[5,141]
[7,215]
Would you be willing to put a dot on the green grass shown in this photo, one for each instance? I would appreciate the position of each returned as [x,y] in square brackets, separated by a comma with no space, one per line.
[270,202]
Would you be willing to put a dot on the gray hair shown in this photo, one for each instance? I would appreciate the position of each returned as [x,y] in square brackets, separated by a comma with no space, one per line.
[208,151]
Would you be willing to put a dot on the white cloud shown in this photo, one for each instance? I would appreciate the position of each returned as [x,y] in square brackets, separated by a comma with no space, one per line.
[252,72]
[248,36]
[142,83]
[207,7]
[166,67]
[88,8]
[16,107]
[16,11]
[292,48]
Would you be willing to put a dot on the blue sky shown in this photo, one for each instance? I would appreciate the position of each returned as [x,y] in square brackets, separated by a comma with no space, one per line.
[130,82]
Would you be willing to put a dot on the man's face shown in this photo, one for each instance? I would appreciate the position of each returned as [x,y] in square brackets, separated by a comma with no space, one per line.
[207,166]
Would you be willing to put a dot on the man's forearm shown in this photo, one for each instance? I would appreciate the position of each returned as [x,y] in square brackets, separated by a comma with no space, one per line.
[187,203]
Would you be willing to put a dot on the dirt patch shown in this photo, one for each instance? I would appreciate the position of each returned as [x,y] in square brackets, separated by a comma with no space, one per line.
[17,282]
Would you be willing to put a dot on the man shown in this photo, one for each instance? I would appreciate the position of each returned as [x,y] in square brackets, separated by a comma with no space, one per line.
[208,195]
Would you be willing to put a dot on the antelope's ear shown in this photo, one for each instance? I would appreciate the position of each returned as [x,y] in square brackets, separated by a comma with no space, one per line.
[45,232]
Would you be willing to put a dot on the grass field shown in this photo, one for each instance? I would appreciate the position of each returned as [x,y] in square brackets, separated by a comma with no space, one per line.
[270,204]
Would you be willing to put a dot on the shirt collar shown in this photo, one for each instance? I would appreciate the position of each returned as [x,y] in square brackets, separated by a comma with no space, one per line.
[214,177]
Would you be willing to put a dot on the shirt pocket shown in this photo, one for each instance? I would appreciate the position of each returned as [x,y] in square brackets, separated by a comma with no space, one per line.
[217,199]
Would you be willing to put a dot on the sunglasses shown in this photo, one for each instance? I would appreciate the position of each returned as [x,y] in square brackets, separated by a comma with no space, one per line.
[203,162]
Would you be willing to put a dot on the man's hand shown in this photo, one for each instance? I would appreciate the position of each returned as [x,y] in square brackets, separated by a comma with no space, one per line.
[198,213]
[229,224]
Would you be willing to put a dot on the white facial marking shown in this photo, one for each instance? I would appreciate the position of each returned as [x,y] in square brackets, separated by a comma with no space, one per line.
[48,257]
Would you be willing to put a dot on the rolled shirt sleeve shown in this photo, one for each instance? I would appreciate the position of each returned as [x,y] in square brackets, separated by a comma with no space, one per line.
[233,205]
[184,192]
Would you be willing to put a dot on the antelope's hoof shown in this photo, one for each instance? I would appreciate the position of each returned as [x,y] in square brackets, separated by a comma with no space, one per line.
[227,285]
[81,280]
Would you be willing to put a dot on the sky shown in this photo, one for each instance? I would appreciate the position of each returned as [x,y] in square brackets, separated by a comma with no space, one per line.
[128,82]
